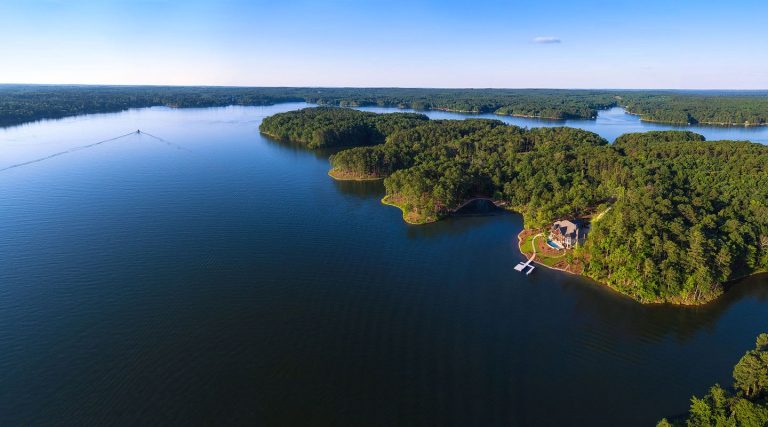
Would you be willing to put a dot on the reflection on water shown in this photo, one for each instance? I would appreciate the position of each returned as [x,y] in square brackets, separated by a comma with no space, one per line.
[236,283]
[682,323]
[372,189]
[479,207]
[296,147]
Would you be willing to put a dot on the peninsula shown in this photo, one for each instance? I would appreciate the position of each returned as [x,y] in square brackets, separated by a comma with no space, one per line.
[686,215]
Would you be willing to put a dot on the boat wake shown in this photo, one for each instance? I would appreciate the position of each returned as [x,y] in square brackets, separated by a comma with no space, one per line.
[94,144]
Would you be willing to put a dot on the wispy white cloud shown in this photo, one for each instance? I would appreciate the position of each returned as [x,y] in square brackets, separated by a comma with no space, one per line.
[547,40]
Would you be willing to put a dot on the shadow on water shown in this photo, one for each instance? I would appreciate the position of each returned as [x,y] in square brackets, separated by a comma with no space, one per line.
[595,302]
[361,189]
[295,147]
[460,224]
[479,207]
[474,214]
[603,305]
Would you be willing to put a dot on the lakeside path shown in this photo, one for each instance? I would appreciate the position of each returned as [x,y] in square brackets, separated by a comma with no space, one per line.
[339,176]
[533,246]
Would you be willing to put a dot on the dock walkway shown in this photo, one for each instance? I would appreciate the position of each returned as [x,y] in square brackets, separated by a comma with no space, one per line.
[523,265]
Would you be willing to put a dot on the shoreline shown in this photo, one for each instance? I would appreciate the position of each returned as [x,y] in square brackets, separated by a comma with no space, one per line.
[677,303]
[533,116]
[277,138]
[10,123]
[602,284]
[452,110]
[536,260]
[560,119]
[387,200]
[340,176]
[408,217]
[576,265]
[524,116]
[694,125]
[414,218]
[15,123]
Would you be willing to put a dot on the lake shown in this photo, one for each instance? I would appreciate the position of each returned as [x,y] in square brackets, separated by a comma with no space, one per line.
[609,124]
[204,274]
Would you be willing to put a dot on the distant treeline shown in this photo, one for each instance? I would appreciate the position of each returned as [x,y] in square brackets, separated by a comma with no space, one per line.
[686,215]
[542,103]
[25,103]
[725,108]
[743,405]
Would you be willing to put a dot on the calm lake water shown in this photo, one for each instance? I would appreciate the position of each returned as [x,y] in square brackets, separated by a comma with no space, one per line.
[610,124]
[218,277]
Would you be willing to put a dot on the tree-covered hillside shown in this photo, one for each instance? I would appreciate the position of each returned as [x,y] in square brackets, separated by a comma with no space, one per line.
[26,103]
[743,405]
[544,103]
[728,108]
[689,216]
[686,215]
[337,127]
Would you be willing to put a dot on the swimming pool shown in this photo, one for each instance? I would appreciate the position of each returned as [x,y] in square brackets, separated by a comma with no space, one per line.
[553,245]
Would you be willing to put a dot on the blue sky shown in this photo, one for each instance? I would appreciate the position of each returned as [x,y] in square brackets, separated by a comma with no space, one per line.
[677,44]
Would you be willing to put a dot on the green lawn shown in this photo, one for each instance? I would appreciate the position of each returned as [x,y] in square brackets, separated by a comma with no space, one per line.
[526,247]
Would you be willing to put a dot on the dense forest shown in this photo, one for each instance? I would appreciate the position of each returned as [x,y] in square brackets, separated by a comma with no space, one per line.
[544,103]
[690,215]
[686,215]
[721,108]
[745,404]
[25,103]
[337,127]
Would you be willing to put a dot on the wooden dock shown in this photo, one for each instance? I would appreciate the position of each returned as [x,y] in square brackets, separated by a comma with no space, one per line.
[523,265]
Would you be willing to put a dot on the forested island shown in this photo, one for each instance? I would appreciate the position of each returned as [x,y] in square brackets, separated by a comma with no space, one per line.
[25,103]
[686,215]
[744,404]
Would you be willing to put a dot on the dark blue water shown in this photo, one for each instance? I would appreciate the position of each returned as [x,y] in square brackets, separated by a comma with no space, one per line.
[217,277]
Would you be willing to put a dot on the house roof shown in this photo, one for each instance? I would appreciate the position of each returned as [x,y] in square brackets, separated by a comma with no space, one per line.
[565,227]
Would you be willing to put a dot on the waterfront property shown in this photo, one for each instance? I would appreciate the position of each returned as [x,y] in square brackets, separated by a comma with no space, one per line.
[566,234]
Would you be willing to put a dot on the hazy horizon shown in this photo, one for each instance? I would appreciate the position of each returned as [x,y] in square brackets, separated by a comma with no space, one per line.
[343,43]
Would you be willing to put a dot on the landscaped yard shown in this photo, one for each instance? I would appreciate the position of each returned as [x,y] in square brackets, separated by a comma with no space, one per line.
[546,255]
